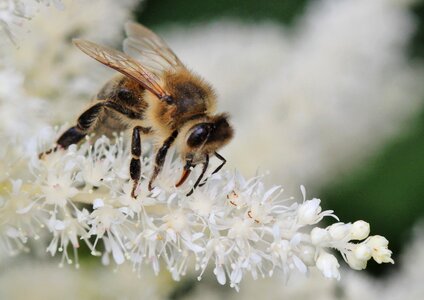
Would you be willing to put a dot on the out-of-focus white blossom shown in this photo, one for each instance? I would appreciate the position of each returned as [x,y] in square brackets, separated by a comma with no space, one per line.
[310,103]
[26,277]
[328,265]
[261,234]
[14,13]
[21,114]
[16,224]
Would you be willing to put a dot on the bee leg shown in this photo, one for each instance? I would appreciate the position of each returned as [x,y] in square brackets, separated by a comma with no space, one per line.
[135,165]
[73,135]
[86,122]
[205,167]
[218,168]
[224,161]
[160,157]
[69,137]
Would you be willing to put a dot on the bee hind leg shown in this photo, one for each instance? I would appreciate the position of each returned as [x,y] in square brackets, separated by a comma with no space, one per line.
[87,122]
[73,135]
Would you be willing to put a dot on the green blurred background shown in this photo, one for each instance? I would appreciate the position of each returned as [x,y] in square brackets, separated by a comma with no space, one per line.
[388,191]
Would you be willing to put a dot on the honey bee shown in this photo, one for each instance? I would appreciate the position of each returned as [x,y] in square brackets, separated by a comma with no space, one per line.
[156,96]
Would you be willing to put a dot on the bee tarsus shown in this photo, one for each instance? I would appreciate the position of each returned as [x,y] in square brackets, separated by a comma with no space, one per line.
[223,162]
[205,167]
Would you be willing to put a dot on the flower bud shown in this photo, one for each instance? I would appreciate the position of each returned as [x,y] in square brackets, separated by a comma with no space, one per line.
[379,248]
[339,231]
[319,236]
[328,265]
[307,254]
[360,230]
[356,263]
[362,252]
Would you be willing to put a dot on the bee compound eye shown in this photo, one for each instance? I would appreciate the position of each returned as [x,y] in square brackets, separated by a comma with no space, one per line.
[199,135]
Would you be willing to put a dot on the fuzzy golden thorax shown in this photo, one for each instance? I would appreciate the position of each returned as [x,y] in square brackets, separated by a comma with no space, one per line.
[191,98]
[191,95]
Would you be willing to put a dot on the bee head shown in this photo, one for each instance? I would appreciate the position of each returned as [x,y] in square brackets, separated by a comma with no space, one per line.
[203,139]
[207,137]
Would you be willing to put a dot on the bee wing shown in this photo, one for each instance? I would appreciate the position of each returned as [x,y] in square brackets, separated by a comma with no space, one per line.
[124,64]
[148,48]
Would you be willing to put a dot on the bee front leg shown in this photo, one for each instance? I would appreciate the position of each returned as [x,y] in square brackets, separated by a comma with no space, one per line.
[205,167]
[135,165]
[160,157]
[223,161]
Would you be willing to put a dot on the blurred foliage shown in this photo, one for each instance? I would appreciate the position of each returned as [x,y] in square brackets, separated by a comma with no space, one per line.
[185,287]
[417,44]
[158,12]
[389,190]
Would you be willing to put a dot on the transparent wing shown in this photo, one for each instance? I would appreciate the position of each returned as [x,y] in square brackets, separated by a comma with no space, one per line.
[123,64]
[149,49]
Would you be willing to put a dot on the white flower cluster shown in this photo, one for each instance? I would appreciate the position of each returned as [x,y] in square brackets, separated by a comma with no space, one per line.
[235,225]
[338,236]
[404,283]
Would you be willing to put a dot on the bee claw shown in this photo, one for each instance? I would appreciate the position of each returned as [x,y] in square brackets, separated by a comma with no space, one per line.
[133,193]
[203,183]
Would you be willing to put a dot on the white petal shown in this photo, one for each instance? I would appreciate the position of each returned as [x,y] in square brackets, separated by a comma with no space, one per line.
[220,275]
[98,203]
[300,264]
[302,188]
[118,256]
